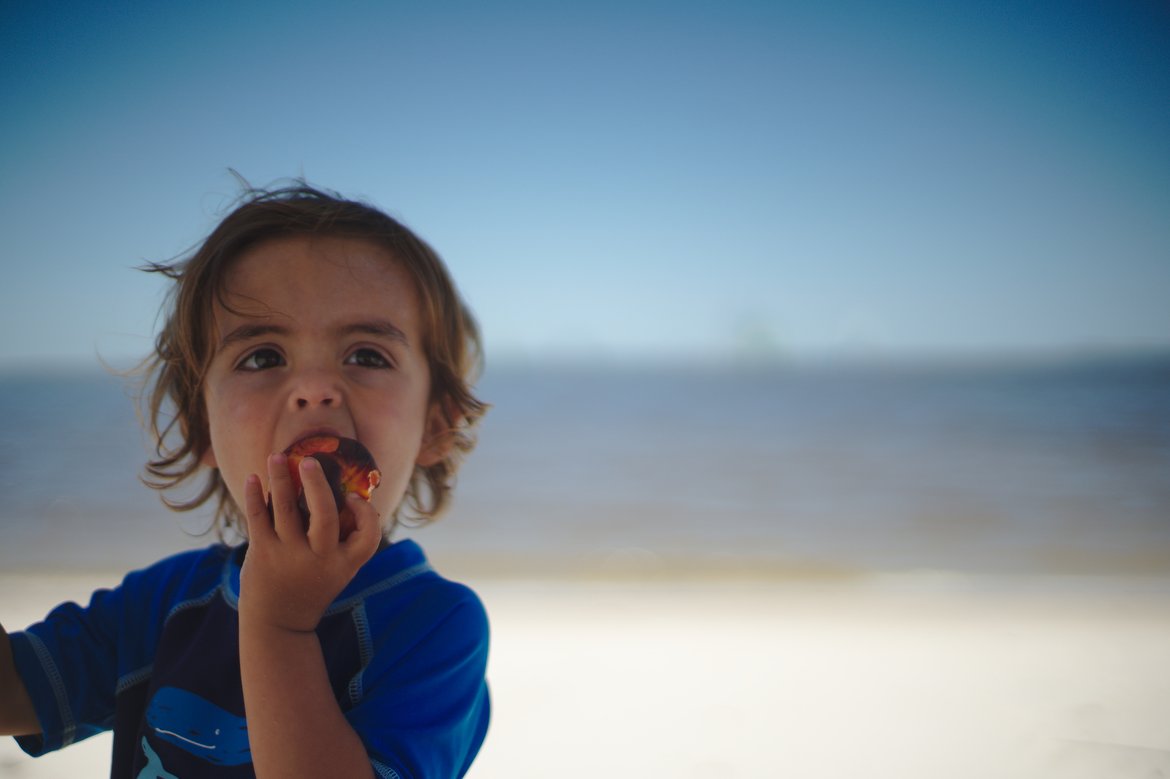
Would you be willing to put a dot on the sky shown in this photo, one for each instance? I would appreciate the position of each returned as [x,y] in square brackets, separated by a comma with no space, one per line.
[628,181]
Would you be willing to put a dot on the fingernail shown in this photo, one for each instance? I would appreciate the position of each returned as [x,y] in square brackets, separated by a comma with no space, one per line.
[309,463]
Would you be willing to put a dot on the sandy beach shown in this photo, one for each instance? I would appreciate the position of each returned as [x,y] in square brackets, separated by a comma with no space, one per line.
[916,675]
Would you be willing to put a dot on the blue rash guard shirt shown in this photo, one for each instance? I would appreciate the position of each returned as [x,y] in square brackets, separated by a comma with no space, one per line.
[156,660]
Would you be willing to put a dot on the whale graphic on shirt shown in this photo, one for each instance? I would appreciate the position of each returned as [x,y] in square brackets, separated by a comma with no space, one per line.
[199,727]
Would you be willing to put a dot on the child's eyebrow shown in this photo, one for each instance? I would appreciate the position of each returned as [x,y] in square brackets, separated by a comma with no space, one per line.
[375,327]
[248,332]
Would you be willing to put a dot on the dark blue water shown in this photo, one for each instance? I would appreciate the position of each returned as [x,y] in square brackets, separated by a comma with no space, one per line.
[1045,468]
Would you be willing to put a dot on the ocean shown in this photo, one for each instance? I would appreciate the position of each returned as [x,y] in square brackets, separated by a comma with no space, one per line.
[1046,468]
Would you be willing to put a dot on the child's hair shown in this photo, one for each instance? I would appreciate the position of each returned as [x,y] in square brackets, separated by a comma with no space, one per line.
[185,346]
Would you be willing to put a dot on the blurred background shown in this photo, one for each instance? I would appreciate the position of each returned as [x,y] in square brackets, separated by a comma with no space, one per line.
[828,346]
[781,286]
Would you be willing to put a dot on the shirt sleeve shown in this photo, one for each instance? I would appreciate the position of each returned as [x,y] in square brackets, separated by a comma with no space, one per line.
[423,706]
[69,665]
[73,661]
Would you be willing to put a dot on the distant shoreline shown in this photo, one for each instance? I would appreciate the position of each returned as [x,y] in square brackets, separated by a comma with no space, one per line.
[1071,358]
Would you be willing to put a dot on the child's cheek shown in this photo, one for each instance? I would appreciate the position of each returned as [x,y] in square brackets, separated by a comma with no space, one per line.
[390,492]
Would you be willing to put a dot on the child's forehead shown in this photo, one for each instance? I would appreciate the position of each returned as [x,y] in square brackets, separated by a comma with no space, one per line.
[281,254]
[327,262]
[313,273]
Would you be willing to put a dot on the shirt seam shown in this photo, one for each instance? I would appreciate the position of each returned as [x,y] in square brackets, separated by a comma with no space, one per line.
[361,626]
[128,680]
[360,597]
[385,771]
[202,600]
[57,684]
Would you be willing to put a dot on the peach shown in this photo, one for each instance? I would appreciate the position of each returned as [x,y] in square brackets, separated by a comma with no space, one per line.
[348,467]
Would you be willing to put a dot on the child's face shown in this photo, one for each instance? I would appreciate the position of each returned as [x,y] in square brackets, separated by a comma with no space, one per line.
[324,336]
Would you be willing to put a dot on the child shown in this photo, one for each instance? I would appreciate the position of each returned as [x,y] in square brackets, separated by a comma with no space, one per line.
[307,651]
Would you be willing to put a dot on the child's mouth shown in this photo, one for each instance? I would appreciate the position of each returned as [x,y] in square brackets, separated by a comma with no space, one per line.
[348,467]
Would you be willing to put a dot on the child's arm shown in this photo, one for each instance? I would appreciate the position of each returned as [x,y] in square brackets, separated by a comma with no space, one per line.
[295,725]
[17,717]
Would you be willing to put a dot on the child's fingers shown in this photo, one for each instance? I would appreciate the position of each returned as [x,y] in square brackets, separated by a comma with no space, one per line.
[322,508]
[363,540]
[256,509]
[286,517]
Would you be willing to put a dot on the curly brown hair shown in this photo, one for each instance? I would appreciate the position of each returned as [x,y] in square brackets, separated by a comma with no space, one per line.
[174,374]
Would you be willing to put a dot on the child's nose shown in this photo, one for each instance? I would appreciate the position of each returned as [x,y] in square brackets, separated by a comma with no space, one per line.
[324,400]
[316,388]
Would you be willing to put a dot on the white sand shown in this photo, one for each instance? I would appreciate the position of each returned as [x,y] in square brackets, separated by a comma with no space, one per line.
[918,676]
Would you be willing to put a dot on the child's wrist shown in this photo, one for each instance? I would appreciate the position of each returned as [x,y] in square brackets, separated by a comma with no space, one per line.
[256,622]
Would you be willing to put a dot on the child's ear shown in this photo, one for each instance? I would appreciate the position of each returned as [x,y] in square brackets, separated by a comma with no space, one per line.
[439,433]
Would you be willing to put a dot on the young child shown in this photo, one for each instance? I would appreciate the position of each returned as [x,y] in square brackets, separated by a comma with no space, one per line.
[317,648]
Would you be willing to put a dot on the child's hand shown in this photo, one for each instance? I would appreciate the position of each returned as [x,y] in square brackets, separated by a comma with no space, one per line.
[290,576]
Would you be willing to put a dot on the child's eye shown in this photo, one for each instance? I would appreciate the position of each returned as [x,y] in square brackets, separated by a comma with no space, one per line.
[367,358]
[261,359]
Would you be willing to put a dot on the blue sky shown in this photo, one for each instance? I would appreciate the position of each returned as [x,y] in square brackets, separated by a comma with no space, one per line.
[616,180]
